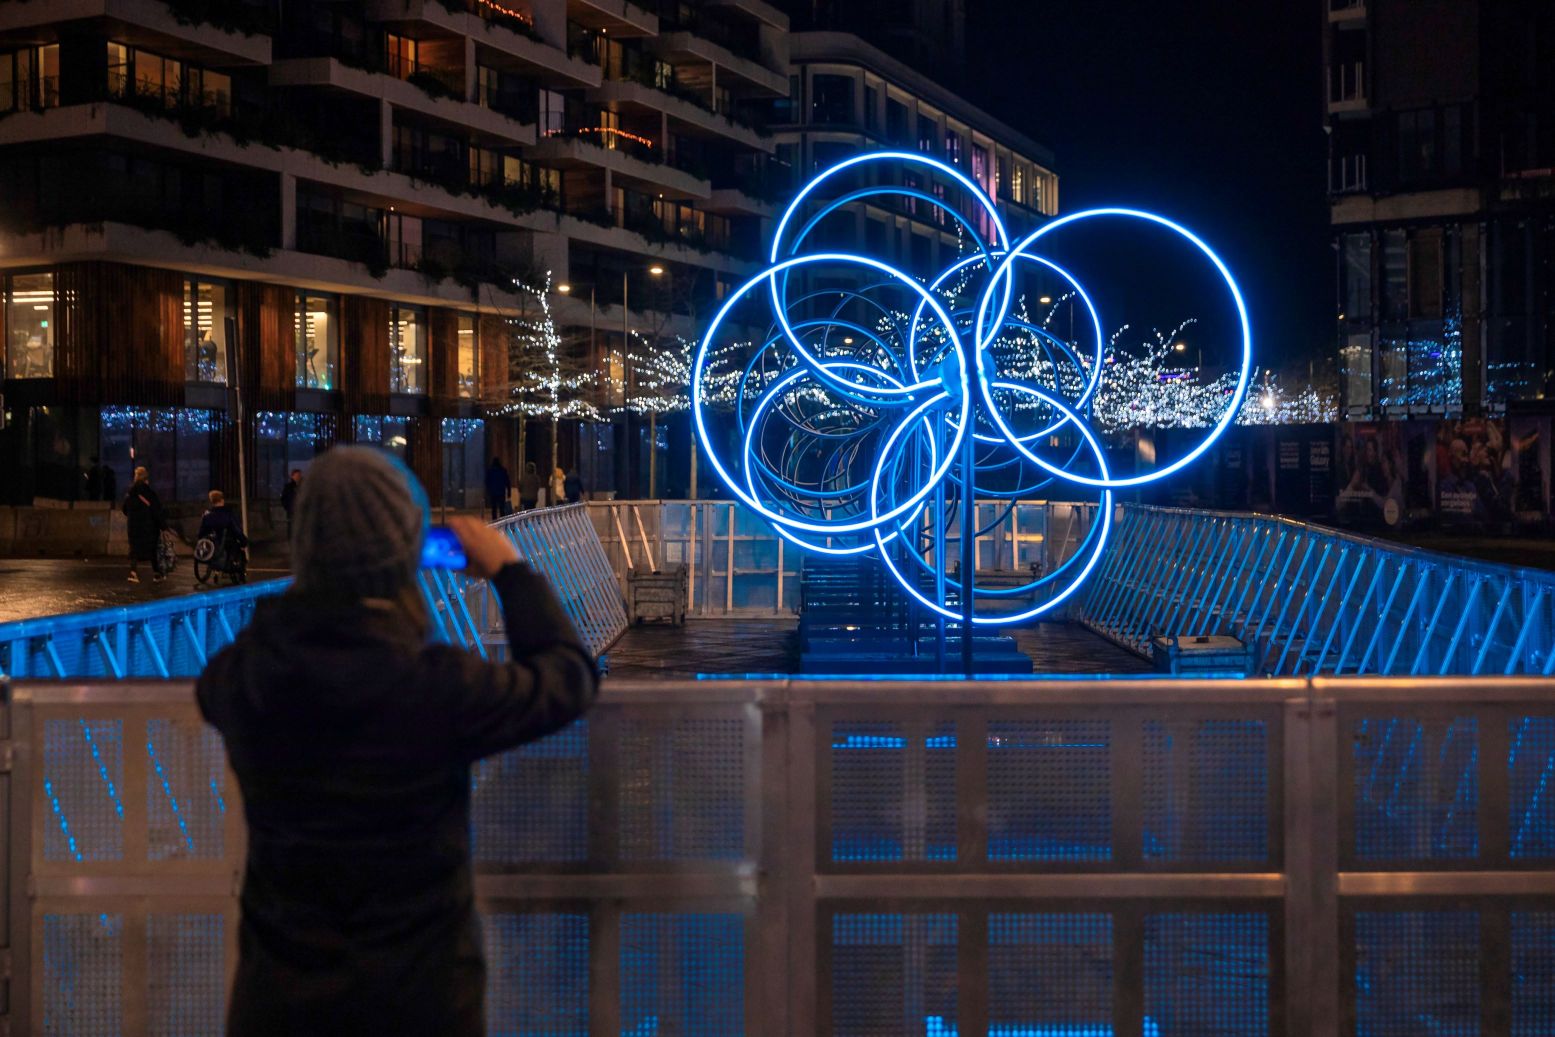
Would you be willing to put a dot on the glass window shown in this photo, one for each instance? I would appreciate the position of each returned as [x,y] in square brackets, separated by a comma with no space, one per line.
[469,358]
[464,461]
[1395,271]
[407,350]
[1018,183]
[118,68]
[404,235]
[48,76]
[198,440]
[831,99]
[318,341]
[29,326]
[401,53]
[206,309]
[396,437]
[871,109]
[953,147]
[896,121]
[160,79]
[1356,297]
[1355,371]
[1425,274]
[928,135]
[553,113]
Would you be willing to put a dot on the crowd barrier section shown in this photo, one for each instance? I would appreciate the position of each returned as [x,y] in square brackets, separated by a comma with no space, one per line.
[174,637]
[1335,857]
[1312,600]
[737,565]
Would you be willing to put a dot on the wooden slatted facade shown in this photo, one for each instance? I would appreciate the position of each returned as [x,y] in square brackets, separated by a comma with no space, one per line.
[364,354]
[120,335]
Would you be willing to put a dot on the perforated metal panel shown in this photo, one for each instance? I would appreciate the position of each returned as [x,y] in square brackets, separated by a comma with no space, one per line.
[186,806]
[1533,974]
[186,975]
[893,974]
[1206,791]
[1417,972]
[532,803]
[1531,770]
[83,784]
[1049,974]
[1207,975]
[682,790]
[1049,790]
[83,970]
[682,974]
[893,792]
[1416,788]
[537,975]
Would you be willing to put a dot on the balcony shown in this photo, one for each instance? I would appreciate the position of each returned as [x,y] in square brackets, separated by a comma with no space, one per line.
[586,147]
[617,18]
[1346,12]
[1347,87]
[688,110]
[200,31]
[1347,174]
[414,94]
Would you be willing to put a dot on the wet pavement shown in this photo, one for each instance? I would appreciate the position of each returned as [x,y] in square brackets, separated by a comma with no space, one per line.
[771,646]
[33,587]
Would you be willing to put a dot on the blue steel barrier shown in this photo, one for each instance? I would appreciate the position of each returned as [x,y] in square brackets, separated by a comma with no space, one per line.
[176,636]
[1312,600]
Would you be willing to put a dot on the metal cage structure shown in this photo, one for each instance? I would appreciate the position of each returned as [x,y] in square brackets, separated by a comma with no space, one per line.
[1311,600]
[1333,857]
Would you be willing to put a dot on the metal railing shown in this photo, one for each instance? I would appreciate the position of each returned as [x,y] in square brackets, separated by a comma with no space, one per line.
[1312,600]
[175,637]
[739,567]
[1291,858]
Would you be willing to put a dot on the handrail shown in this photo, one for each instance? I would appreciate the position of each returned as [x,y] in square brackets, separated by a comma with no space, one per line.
[1310,600]
[175,637]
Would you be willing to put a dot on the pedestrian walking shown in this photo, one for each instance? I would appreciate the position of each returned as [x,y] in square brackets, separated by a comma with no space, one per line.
[558,487]
[498,486]
[352,735]
[289,498]
[143,510]
[573,487]
[529,487]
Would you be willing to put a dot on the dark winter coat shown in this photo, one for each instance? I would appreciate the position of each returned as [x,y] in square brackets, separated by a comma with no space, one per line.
[143,508]
[572,486]
[352,740]
[289,496]
[529,487]
[219,523]
[497,483]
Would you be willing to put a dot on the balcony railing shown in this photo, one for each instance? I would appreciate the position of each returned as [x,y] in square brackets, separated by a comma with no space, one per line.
[508,15]
[521,105]
[1347,83]
[1347,174]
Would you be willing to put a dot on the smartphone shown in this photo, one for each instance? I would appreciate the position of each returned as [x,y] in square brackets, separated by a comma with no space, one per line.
[442,550]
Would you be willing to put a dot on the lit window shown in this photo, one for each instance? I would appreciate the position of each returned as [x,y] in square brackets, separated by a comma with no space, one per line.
[318,338]
[407,350]
[29,326]
[206,308]
[469,358]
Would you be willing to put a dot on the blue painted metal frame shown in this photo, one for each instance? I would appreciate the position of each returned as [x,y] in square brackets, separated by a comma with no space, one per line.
[1313,600]
[176,636]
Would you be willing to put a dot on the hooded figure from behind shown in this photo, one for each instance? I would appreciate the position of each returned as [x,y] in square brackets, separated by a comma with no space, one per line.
[352,737]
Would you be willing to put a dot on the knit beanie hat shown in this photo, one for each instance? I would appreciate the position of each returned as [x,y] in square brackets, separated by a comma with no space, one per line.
[360,519]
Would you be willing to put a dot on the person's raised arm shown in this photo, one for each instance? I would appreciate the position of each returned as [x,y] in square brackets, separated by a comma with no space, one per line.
[549,678]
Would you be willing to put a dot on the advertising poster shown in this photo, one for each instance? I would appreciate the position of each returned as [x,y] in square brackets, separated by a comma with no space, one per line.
[1475,478]
[1529,445]
[1371,475]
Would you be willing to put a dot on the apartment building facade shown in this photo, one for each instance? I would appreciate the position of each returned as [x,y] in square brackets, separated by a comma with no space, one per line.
[329,217]
[1441,122]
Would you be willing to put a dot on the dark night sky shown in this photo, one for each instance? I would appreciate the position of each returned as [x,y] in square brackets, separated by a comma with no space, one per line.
[1207,111]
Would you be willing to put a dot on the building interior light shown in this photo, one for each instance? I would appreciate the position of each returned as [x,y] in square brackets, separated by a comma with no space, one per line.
[564,288]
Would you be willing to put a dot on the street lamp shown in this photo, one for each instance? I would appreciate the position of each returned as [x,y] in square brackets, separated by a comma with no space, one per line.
[1046,300]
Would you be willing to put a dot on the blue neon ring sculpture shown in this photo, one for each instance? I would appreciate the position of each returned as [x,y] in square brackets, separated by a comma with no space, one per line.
[847,451]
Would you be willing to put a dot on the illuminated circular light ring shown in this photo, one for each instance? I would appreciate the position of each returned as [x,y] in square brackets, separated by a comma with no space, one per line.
[1105,510]
[942,388]
[699,368]
[982,199]
[1244,372]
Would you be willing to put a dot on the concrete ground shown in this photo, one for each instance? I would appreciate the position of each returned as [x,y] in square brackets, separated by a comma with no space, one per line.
[32,587]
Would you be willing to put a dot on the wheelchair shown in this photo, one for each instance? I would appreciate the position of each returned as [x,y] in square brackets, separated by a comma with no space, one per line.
[215,558]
